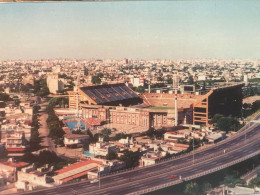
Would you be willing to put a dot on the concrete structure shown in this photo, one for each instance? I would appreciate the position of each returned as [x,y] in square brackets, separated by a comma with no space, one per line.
[29,79]
[54,83]
[101,148]
[8,169]
[224,100]
[112,94]
[76,170]
[74,139]
[16,143]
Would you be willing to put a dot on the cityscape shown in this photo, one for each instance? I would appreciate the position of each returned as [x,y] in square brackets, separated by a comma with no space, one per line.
[124,98]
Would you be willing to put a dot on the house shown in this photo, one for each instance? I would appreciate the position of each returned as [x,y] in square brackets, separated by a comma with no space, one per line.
[29,178]
[74,140]
[75,171]
[8,169]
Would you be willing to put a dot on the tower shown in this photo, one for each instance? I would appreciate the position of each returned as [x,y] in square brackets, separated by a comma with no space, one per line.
[176,109]
[175,80]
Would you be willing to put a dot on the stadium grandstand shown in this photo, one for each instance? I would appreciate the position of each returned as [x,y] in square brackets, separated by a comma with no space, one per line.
[109,95]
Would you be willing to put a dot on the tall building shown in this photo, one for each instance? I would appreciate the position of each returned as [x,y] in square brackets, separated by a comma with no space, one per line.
[175,80]
[54,83]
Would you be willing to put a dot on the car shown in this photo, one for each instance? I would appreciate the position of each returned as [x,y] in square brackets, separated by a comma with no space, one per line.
[94,181]
[172,176]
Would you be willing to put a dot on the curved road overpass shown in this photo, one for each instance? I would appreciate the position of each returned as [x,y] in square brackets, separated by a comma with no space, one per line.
[245,144]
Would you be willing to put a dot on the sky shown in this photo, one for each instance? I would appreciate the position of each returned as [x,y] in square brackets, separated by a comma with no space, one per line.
[181,29]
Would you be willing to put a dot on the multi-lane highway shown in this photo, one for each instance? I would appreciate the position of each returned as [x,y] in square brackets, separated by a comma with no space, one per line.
[239,147]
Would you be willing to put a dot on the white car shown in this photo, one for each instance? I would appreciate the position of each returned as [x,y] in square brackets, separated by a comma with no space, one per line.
[94,181]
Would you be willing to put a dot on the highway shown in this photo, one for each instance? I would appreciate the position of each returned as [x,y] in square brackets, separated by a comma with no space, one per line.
[239,147]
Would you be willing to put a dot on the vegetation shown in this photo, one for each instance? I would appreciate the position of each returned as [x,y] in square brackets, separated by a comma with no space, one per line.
[119,136]
[60,101]
[255,182]
[35,139]
[111,155]
[139,89]
[130,158]
[40,88]
[225,123]
[231,180]
[45,157]
[4,97]
[152,133]
[192,188]
[96,80]
[249,109]
[54,125]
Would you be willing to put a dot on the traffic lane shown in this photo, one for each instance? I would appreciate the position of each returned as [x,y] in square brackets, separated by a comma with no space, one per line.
[176,161]
[153,169]
[191,170]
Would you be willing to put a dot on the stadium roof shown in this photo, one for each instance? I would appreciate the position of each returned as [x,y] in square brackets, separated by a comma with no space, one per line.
[103,94]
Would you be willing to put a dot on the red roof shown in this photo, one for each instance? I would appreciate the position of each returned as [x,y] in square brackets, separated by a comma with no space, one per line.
[93,121]
[17,165]
[76,176]
[77,165]
[15,149]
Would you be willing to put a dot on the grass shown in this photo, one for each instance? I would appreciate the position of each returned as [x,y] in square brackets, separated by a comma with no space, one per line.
[252,116]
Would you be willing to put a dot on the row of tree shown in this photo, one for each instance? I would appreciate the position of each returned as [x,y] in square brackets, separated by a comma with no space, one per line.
[54,124]
[35,136]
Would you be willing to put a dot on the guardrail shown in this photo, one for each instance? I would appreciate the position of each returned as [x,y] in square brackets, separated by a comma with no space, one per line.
[155,188]
[239,133]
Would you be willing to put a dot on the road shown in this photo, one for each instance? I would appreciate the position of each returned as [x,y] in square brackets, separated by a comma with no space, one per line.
[44,131]
[145,179]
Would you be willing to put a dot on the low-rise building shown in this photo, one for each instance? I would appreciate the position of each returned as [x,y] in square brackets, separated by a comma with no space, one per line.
[74,139]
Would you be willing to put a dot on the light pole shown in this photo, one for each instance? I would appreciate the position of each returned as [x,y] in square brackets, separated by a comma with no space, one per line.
[193,149]
[99,177]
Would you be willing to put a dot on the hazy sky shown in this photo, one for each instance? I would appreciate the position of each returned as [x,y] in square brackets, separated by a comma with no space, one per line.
[131,29]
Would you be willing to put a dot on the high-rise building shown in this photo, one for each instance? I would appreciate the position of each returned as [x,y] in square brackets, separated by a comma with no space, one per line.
[54,83]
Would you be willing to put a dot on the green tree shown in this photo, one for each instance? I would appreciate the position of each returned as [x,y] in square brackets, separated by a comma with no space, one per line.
[231,180]
[4,97]
[215,118]
[228,124]
[206,187]
[85,71]
[255,182]
[191,80]
[96,80]
[106,132]
[139,89]
[111,155]
[192,188]
[130,158]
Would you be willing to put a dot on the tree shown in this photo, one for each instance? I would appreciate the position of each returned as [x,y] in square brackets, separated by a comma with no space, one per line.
[106,132]
[111,155]
[190,80]
[255,182]
[256,105]
[231,180]
[4,97]
[192,188]
[215,118]
[96,80]
[130,158]
[85,71]
[228,124]
[139,89]
[206,187]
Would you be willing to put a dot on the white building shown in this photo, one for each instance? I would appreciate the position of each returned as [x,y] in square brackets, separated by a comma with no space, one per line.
[54,83]
[74,139]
